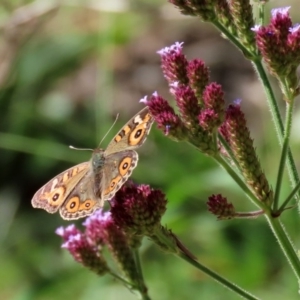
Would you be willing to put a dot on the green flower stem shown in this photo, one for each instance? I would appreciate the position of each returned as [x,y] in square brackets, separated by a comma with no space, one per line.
[249,215]
[233,39]
[285,244]
[233,287]
[169,242]
[284,152]
[240,182]
[142,287]
[121,279]
[292,171]
[215,138]
[276,226]
[289,198]
[271,99]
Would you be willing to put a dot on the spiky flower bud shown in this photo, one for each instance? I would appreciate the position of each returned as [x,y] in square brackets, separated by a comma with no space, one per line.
[165,117]
[188,106]
[203,8]
[213,98]
[242,146]
[119,245]
[198,75]
[225,16]
[243,18]
[174,63]
[209,119]
[220,207]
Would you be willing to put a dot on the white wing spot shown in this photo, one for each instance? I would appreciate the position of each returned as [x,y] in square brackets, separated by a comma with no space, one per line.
[54,183]
[138,119]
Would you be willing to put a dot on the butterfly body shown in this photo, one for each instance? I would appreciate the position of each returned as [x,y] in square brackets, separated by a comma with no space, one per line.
[80,190]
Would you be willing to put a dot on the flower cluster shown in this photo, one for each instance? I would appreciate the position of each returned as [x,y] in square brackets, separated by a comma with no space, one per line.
[234,16]
[83,249]
[136,211]
[200,103]
[202,117]
[279,44]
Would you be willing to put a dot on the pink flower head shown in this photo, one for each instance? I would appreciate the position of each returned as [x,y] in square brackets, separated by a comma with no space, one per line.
[284,11]
[94,226]
[213,97]
[220,207]
[208,119]
[175,48]
[198,75]
[274,42]
[281,23]
[187,104]
[138,209]
[67,232]
[82,249]
[165,116]
[174,63]
[214,107]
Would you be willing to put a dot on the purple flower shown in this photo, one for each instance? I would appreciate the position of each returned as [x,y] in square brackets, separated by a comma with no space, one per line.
[138,209]
[175,48]
[165,116]
[65,233]
[213,113]
[94,226]
[209,119]
[279,45]
[220,207]
[198,75]
[187,104]
[174,63]
[213,97]
[82,248]
[284,11]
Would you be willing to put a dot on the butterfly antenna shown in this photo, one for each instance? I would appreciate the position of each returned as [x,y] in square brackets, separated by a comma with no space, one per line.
[114,123]
[74,148]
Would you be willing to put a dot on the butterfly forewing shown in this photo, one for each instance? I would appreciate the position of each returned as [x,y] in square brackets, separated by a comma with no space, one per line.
[53,194]
[133,134]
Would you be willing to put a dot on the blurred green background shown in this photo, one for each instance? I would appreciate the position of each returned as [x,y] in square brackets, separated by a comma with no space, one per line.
[65,72]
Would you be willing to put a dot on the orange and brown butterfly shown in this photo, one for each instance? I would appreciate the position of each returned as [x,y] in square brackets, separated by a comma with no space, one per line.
[82,189]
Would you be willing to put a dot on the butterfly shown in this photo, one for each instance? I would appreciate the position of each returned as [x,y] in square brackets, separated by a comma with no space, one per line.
[82,189]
